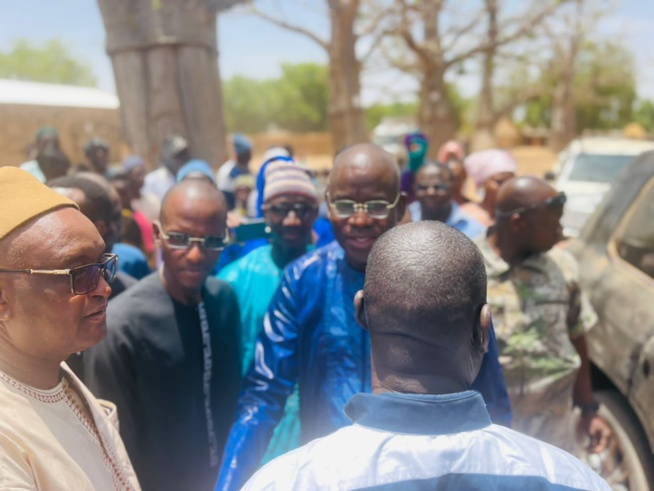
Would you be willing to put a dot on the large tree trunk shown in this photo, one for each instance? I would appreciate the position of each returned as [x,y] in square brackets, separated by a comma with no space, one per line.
[347,123]
[483,135]
[436,114]
[164,56]
[564,124]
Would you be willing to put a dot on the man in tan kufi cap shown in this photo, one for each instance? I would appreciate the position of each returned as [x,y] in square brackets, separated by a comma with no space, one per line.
[54,275]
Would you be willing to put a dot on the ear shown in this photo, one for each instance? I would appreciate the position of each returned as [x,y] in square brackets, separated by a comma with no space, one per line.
[360,310]
[101,225]
[156,232]
[516,223]
[5,311]
[482,333]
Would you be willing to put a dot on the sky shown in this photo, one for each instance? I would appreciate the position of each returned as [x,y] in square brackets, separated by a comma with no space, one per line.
[255,48]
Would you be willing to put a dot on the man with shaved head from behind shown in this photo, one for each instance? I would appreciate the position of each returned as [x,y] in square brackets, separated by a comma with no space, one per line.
[423,428]
[310,335]
[171,360]
[541,316]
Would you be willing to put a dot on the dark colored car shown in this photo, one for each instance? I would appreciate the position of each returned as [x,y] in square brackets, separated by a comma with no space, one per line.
[616,259]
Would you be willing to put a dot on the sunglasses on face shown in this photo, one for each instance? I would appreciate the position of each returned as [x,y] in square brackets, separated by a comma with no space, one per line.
[441,187]
[377,209]
[181,240]
[280,211]
[555,202]
[83,279]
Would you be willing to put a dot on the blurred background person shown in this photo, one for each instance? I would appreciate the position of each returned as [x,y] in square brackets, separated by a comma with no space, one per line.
[434,189]
[53,163]
[488,169]
[174,154]
[416,145]
[144,202]
[97,154]
[46,137]
[452,154]
[235,167]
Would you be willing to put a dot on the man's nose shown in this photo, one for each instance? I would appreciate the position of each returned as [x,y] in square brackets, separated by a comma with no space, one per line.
[291,219]
[195,252]
[360,219]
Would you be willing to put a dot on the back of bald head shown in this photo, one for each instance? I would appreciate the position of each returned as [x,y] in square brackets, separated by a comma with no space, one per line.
[522,191]
[364,156]
[191,191]
[426,281]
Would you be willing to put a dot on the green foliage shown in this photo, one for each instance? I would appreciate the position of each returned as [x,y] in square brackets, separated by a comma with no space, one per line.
[296,101]
[302,95]
[51,63]
[604,89]
[644,114]
[248,104]
[374,114]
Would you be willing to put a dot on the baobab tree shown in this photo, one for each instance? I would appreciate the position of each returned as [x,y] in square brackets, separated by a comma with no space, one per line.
[347,27]
[165,62]
[437,38]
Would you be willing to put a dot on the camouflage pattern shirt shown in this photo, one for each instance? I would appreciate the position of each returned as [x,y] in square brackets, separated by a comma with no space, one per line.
[530,304]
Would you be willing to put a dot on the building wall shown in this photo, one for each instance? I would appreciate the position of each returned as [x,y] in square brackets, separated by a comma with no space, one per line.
[19,124]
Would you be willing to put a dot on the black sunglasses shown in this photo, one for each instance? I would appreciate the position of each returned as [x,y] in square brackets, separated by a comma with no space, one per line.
[554,202]
[280,211]
[83,279]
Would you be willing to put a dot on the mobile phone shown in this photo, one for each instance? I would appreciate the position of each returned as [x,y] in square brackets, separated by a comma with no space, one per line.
[254,229]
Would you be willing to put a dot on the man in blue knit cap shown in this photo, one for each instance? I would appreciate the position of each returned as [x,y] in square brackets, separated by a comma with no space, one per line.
[290,207]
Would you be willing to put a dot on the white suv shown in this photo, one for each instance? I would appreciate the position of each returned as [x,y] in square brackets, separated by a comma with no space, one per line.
[586,169]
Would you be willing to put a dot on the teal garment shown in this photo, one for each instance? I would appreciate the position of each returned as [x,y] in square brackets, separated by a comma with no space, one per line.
[255,278]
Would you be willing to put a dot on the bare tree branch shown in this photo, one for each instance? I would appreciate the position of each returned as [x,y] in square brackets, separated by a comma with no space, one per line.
[291,27]
[523,30]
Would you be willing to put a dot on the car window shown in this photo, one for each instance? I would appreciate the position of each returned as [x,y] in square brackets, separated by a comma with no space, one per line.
[635,241]
[591,167]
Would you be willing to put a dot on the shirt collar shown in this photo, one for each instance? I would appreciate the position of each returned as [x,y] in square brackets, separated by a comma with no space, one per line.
[418,413]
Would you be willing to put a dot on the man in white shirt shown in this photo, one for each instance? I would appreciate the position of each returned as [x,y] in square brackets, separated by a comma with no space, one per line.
[424,305]
[54,289]
[174,154]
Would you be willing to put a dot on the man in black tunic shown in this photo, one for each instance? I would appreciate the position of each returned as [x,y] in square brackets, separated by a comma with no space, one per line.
[171,359]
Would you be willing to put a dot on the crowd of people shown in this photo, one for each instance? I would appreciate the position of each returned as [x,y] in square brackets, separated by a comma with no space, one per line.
[187,329]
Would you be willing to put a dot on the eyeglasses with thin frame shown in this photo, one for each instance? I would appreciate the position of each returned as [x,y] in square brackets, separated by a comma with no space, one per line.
[377,209]
[554,202]
[181,240]
[281,210]
[441,187]
[83,279]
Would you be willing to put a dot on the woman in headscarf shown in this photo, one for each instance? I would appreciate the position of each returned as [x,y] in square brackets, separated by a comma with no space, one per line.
[488,169]
[416,145]
[451,154]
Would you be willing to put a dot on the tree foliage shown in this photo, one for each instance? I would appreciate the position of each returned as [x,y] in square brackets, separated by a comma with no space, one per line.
[51,63]
[644,114]
[604,89]
[296,101]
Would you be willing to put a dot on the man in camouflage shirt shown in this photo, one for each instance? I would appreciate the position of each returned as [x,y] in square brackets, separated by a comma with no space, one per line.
[540,317]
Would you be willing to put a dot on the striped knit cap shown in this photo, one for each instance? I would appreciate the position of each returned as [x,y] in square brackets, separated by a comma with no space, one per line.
[284,177]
